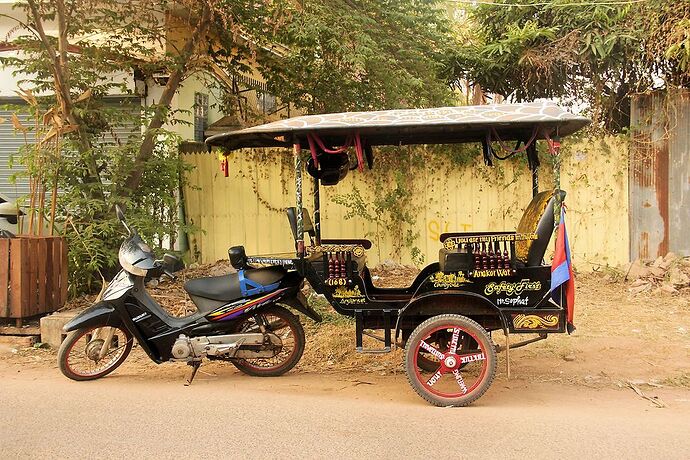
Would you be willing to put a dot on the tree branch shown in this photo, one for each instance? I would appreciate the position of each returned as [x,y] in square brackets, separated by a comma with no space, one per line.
[160,112]
[62,87]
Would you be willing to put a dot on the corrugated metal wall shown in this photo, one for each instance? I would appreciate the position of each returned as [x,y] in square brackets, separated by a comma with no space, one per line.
[246,208]
[679,176]
[660,175]
[11,142]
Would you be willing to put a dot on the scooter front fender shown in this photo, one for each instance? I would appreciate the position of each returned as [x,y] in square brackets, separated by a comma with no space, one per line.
[99,314]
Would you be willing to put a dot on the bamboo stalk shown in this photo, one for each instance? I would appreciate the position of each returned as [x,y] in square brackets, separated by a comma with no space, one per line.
[42,208]
[40,198]
[32,190]
[53,199]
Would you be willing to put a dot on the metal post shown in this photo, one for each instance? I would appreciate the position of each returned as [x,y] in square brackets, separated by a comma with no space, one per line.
[298,197]
[317,211]
[533,160]
[507,334]
[555,148]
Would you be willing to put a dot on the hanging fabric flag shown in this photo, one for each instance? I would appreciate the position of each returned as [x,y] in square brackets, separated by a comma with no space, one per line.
[562,270]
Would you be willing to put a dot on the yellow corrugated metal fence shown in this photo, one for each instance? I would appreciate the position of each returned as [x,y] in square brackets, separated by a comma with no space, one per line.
[247,207]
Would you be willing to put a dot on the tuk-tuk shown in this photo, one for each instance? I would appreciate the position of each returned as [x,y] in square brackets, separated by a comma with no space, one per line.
[482,281]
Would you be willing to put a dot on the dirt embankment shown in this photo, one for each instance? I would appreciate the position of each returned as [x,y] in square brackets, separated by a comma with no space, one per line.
[623,334]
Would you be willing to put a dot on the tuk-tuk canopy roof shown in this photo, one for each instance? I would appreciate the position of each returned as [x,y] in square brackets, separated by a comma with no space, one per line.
[444,125]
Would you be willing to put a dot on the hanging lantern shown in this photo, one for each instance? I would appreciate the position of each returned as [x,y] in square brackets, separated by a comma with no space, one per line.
[224,164]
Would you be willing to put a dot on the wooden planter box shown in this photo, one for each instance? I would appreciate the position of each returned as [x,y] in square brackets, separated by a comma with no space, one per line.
[33,276]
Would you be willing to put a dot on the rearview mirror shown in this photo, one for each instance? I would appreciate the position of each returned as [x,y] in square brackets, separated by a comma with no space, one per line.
[170,259]
[121,218]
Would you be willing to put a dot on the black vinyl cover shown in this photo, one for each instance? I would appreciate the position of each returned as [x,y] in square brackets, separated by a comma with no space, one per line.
[453,260]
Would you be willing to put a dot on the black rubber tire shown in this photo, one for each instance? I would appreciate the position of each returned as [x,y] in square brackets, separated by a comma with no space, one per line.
[485,342]
[287,365]
[72,338]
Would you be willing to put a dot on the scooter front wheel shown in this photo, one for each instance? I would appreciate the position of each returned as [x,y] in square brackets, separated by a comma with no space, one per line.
[94,352]
[284,324]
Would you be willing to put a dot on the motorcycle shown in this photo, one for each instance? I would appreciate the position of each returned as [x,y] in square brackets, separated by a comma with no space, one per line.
[241,317]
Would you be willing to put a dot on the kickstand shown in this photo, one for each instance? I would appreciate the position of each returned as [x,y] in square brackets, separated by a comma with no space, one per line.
[195,367]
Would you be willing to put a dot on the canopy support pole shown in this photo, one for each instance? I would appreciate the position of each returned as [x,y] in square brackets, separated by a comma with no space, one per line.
[317,211]
[298,197]
[533,161]
[555,149]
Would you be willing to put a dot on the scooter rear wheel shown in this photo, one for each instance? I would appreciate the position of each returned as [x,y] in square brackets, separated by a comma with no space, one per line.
[79,354]
[287,327]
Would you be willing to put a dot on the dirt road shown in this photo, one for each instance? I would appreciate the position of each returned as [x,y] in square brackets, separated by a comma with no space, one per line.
[564,400]
[145,414]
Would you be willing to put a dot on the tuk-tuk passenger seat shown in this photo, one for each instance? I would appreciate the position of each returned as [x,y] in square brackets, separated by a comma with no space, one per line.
[537,218]
[308,228]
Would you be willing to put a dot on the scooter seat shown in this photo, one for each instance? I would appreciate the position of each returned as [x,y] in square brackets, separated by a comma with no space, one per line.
[227,287]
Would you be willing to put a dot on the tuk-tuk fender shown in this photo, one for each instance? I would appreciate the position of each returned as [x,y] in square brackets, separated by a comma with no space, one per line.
[99,314]
[299,303]
[417,304]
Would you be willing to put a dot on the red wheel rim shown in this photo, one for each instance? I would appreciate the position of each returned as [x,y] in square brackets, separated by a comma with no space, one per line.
[449,364]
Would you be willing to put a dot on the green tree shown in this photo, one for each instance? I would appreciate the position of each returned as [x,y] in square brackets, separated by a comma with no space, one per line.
[67,75]
[359,55]
[599,53]
[316,55]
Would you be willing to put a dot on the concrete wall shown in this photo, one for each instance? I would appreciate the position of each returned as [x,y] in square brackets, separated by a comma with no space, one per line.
[247,207]
[184,103]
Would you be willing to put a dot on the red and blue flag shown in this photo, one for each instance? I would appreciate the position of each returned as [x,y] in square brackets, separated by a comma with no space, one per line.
[562,270]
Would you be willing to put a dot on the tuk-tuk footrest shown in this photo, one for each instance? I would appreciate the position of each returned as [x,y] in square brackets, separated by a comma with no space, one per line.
[359,333]
[374,351]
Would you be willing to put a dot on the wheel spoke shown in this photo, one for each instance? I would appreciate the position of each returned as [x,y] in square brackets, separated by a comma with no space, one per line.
[283,330]
[84,358]
[114,350]
[434,378]
[432,350]
[472,357]
[460,380]
[454,340]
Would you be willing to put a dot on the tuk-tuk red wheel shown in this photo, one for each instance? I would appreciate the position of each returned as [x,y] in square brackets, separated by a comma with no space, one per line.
[463,375]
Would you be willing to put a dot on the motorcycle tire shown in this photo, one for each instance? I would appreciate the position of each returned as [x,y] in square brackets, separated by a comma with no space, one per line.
[67,348]
[252,366]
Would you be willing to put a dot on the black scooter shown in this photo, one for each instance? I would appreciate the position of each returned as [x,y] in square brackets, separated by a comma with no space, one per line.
[242,318]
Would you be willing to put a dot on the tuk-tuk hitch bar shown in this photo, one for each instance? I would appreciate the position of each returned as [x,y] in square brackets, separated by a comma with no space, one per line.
[500,348]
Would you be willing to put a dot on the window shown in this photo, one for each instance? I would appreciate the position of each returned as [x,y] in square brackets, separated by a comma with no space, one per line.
[266,102]
[200,116]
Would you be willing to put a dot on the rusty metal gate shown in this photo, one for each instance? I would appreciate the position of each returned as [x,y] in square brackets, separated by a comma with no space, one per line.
[660,174]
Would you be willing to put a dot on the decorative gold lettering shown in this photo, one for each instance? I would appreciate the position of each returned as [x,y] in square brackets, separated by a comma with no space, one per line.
[356,249]
[344,293]
[454,241]
[509,289]
[447,280]
[492,273]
